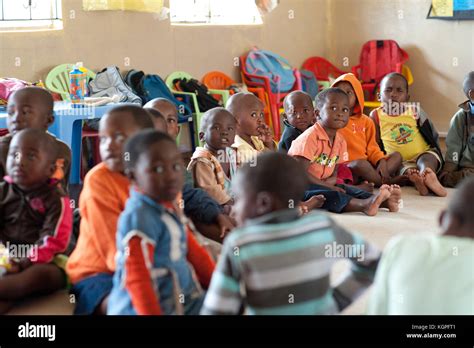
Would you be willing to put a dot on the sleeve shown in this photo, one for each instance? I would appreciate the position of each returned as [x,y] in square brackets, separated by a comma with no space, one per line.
[199,206]
[375,119]
[200,259]
[454,143]
[138,279]
[364,259]
[303,147]
[374,154]
[100,212]
[204,178]
[224,295]
[343,153]
[55,232]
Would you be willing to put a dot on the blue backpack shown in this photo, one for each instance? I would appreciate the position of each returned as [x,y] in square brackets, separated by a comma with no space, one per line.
[149,87]
[271,65]
[309,82]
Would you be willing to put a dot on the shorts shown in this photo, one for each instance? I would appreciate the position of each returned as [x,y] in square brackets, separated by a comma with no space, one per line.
[90,292]
[411,164]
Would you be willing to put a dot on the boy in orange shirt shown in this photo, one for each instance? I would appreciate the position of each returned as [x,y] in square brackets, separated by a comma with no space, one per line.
[366,160]
[320,148]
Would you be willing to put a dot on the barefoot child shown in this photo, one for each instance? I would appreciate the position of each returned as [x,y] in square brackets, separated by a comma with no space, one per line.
[407,130]
[32,107]
[281,253]
[35,215]
[460,140]
[366,160]
[433,274]
[152,272]
[214,165]
[321,147]
[299,115]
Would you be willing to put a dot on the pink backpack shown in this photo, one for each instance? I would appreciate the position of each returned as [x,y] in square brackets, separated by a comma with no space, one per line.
[8,86]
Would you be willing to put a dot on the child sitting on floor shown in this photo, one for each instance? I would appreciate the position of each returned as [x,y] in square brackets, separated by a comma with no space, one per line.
[406,129]
[299,115]
[35,219]
[32,107]
[248,111]
[106,189]
[430,274]
[460,140]
[215,164]
[278,262]
[366,160]
[152,275]
[321,147]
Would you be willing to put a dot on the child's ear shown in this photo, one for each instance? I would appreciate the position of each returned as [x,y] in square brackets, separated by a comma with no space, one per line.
[379,97]
[49,120]
[264,203]
[129,174]
[179,129]
[470,95]
[283,114]
[408,97]
[52,169]
[201,136]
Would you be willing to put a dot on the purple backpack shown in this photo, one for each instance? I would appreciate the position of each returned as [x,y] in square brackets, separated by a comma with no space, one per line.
[8,86]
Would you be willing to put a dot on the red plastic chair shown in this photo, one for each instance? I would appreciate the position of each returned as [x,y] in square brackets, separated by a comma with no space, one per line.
[322,70]
[219,80]
[275,99]
[377,59]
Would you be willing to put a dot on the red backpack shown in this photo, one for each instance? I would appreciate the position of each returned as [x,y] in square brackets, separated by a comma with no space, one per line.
[377,59]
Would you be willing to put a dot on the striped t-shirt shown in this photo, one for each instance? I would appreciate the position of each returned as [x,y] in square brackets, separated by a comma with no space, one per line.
[280,264]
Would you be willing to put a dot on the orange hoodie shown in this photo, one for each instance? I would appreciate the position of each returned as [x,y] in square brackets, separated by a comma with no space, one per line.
[360,130]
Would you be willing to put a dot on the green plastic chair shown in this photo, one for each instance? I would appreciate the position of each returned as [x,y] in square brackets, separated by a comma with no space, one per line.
[198,114]
[58,81]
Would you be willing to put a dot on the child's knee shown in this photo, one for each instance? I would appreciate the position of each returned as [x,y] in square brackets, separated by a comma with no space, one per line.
[396,158]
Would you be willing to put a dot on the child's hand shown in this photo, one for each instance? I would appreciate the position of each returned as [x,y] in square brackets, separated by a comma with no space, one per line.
[331,181]
[225,223]
[265,135]
[18,265]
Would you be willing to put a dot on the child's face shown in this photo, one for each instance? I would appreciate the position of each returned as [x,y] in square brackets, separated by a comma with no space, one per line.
[250,116]
[335,112]
[169,111]
[220,132]
[160,124]
[347,87]
[299,112]
[115,128]
[159,172]
[394,90]
[28,164]
[27,110]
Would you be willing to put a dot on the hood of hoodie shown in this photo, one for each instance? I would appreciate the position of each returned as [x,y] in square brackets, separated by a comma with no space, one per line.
[359,92]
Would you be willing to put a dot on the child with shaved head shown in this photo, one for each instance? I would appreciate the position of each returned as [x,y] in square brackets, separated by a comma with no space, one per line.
[35,218]
[430,274]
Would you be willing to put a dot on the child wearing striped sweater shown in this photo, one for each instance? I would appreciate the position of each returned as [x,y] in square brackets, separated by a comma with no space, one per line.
[279,262]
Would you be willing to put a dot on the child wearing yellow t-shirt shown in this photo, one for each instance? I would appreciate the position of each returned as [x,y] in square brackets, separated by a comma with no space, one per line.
[405,128]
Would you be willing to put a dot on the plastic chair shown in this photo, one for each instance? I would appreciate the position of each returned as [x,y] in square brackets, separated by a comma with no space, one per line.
[406,71]
[58,82]
[219,80]
[275,99]
[193,98]
[323,70]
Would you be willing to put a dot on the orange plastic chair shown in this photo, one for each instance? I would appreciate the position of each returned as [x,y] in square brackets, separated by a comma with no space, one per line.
[323,70]
[219,80]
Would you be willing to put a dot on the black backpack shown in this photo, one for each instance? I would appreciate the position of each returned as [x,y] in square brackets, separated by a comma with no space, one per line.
[205,100]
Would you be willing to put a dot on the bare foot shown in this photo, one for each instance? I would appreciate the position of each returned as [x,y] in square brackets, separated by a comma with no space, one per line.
[366,186]
[312,203]
[377,199]
[393,203]
[431,181]
[417,180]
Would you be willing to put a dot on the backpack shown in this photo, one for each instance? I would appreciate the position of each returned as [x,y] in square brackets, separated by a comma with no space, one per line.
[8,86]
[109,82]
[379,58]
[205,100]
[149,87]
[276,68]
[309,82]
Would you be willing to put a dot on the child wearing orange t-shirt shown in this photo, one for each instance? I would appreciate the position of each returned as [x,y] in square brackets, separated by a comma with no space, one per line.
[366,159]
[321,147]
